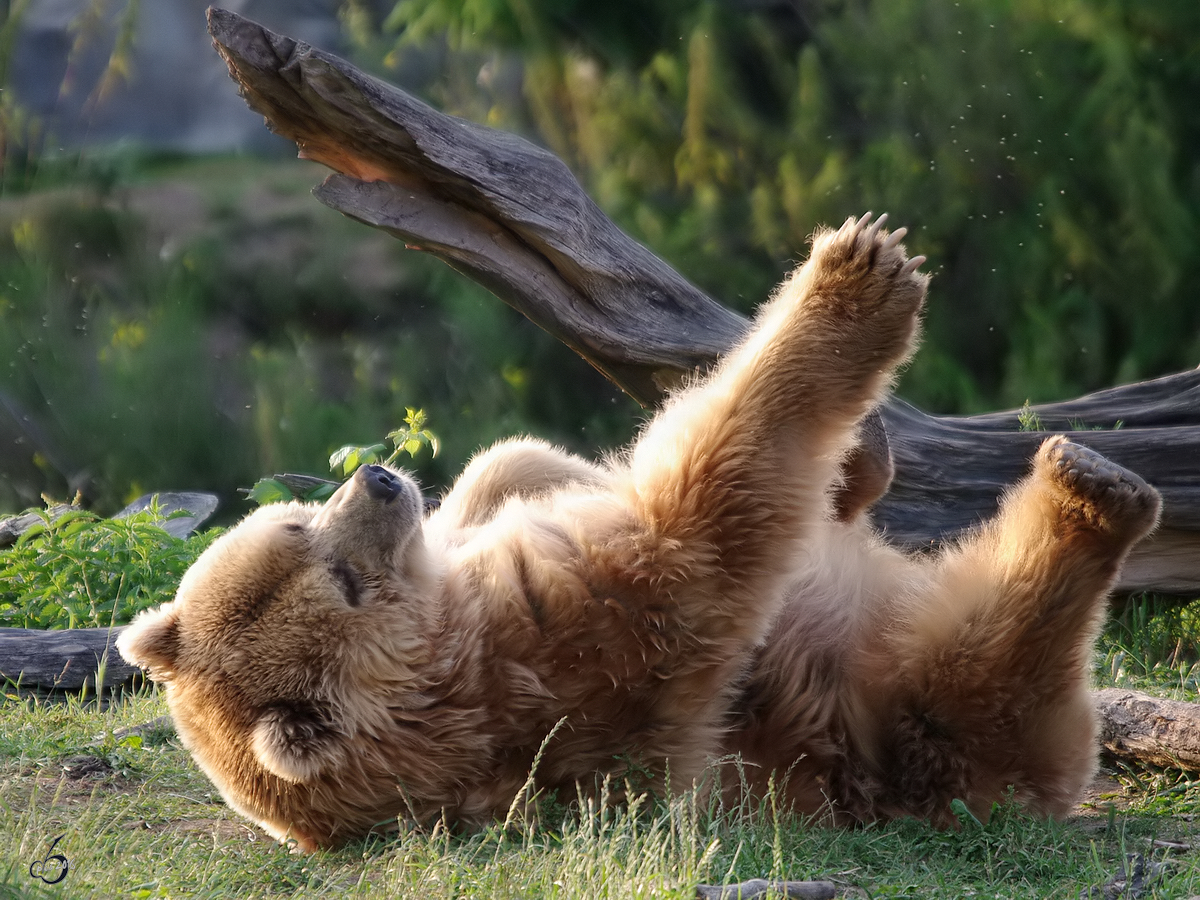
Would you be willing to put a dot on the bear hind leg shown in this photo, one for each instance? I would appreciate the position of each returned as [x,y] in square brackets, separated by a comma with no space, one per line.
[991,665]
[1099,493]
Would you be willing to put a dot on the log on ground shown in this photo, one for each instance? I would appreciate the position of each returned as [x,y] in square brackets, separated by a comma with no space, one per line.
[67,660]
[1148,730]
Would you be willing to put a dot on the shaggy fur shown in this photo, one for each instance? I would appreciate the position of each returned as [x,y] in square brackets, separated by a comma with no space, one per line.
[332,667]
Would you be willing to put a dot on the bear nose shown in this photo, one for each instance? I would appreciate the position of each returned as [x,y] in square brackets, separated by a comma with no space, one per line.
[379,482]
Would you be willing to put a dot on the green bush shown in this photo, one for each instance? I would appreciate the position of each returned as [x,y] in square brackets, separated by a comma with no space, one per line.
[1043,154]
[257,339]
[80,571]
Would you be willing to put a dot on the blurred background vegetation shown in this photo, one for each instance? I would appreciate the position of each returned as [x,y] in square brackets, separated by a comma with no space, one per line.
[175,321]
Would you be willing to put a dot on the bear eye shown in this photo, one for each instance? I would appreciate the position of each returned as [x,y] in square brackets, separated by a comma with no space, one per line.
[351,584]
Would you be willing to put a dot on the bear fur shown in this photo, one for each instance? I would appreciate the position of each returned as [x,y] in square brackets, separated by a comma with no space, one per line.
[334,668]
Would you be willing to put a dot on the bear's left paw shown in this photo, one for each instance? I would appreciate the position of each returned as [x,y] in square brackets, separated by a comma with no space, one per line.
[1106,495]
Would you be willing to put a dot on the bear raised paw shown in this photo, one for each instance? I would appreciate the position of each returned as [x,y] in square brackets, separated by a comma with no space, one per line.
[1098,492]
[335,668]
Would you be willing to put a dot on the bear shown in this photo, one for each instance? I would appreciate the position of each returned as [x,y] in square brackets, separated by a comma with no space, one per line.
[704,595]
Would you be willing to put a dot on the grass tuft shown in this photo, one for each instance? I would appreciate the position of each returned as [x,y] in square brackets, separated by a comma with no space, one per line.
[1153,644]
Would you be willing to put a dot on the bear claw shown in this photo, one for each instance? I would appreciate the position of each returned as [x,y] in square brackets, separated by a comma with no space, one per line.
[863,249]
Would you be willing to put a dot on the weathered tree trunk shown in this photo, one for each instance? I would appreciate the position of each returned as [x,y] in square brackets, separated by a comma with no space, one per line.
[512,217]
[69,660]
[1149,730]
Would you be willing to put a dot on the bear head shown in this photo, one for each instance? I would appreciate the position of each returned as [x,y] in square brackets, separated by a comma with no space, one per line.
[286,632]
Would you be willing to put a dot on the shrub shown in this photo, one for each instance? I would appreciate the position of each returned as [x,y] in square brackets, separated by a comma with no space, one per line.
[81,571]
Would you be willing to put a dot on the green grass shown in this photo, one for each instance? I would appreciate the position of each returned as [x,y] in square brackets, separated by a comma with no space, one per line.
[1153,645]
[148,824]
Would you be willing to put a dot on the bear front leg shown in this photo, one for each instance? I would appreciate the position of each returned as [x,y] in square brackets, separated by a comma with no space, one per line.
[988,673]
[736,469]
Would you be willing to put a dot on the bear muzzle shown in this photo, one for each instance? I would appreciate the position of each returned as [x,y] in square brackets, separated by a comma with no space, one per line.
[380,483]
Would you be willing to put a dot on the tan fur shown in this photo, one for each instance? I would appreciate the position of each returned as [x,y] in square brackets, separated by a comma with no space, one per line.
[335,667]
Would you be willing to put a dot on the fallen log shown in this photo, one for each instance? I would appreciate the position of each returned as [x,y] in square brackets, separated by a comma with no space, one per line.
[1149,730]
[512,217]
[43,662]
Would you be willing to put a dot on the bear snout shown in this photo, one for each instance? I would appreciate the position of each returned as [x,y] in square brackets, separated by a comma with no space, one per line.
[379,482]
[370,518]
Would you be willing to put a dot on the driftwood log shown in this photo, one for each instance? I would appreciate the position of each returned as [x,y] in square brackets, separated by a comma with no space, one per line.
[512,217]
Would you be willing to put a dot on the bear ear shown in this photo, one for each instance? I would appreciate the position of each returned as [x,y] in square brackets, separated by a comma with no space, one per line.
[152,641]
[296,740]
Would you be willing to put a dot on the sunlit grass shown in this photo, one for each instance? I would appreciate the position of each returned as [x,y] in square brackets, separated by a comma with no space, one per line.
[148,824]
[1153,644]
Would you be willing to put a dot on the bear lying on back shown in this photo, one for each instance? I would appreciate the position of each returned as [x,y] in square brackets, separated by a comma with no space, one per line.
[334,667]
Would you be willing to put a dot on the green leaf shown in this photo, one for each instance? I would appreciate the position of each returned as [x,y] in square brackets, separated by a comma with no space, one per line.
[321,492]
[414,418]
[346,460]
[270,490]
[965,817]
[414,436]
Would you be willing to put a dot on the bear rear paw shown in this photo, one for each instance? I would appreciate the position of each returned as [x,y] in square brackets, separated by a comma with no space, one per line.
[1107,496]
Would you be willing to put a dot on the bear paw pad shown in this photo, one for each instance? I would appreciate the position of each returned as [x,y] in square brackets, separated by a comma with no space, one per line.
[861,277]
[1104,491]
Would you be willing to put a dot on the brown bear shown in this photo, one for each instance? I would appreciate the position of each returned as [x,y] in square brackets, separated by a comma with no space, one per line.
[334,668]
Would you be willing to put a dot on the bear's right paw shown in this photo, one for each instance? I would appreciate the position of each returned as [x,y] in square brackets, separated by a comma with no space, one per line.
[1107,496]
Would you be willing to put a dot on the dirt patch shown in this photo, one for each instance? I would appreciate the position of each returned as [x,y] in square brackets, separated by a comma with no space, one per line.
[1105,793]
[66,786]
[225,830]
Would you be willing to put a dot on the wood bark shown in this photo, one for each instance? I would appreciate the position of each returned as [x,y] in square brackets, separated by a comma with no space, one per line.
[69,660]
[512,217]
[1149,730]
